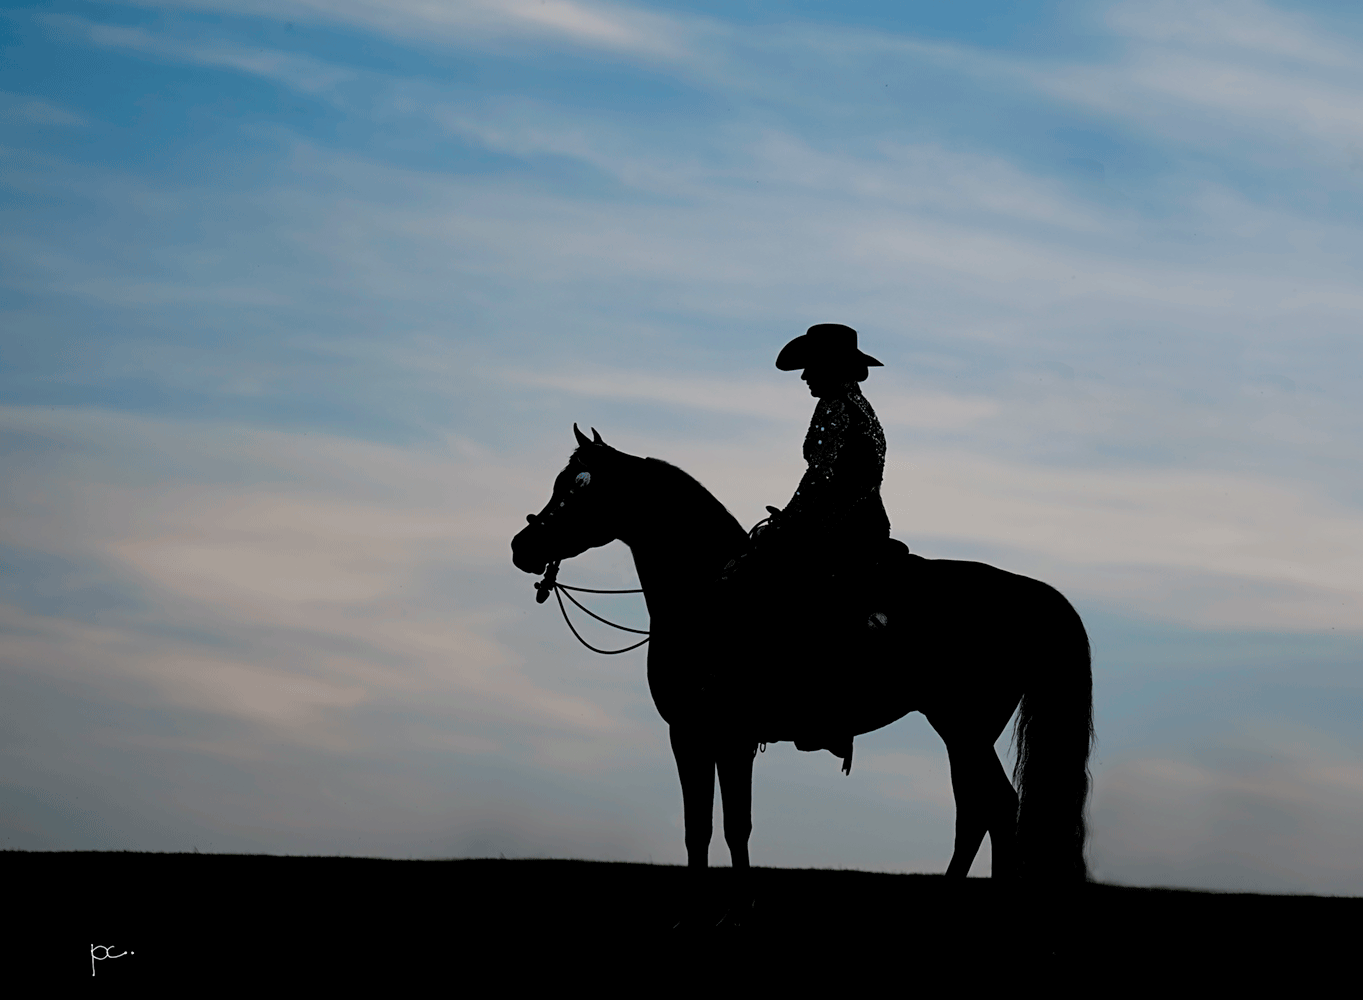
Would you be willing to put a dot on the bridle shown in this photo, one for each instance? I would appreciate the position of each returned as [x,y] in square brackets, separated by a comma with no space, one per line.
[550,583]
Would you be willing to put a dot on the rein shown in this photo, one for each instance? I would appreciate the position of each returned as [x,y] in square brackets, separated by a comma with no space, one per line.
[550,583]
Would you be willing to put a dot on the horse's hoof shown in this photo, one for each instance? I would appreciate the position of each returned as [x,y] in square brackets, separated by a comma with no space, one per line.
[739,915]
[692,919]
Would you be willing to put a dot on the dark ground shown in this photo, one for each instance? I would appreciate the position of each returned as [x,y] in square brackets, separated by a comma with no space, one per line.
[190,921]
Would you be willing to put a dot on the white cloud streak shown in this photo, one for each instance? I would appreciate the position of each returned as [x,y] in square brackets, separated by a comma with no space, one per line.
[1247,27]
[750,398]
[589,24]
[1255,553]
[17,108]
[291,575]
[299,72]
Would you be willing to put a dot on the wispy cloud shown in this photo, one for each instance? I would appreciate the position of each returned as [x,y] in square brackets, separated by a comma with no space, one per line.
[324,600]
[1246,27]
[1204,70]
[307,602]
[761,400]
[625,29]
[300,72]
[17,108]
[1256,553]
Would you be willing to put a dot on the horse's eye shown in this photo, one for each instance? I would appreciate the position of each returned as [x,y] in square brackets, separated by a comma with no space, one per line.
[583,478]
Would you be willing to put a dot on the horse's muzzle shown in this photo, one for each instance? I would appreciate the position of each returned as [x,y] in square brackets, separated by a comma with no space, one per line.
[522,555]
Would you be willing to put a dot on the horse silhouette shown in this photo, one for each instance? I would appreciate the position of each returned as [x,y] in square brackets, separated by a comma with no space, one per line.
[962,642]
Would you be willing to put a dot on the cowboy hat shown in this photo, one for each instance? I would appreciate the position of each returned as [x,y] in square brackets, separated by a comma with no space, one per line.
[824,344]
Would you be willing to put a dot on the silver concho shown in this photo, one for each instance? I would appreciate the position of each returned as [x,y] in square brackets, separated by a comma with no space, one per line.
[583,478]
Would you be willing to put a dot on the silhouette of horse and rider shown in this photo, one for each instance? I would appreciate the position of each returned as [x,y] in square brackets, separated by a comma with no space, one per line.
[816,627]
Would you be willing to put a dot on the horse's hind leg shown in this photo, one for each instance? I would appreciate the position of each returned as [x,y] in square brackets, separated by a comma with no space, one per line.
[985,803]
[1003,820]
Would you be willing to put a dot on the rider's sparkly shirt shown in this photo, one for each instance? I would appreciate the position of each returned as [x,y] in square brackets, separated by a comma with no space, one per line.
[845,449]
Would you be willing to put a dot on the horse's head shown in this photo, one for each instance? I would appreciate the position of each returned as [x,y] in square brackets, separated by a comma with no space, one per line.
[581,514]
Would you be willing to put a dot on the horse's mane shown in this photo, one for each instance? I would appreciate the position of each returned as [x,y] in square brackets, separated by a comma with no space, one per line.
[682,493]
[689,494]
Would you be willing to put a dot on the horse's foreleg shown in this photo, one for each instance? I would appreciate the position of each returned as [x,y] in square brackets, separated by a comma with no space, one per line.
[735,786]
[735,762]
[696,768]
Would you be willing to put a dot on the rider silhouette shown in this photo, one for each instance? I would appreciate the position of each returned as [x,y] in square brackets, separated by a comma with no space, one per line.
[832,532]
[836,510]
[835,523]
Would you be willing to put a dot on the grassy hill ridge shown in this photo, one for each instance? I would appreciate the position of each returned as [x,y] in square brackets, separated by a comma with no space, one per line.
[186,918]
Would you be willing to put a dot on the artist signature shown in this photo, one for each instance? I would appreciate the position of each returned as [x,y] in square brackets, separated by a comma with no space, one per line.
[107,954]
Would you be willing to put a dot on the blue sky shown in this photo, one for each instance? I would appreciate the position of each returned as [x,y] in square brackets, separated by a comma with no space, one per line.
[299,302]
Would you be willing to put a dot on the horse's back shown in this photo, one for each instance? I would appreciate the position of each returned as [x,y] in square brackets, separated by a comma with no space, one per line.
[974,627]
[964,590]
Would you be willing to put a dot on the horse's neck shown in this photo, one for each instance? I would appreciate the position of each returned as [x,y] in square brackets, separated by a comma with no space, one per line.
[669,563]
[679,552]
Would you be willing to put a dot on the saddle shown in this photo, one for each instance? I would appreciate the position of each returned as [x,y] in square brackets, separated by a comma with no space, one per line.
[823,621]
[889,577]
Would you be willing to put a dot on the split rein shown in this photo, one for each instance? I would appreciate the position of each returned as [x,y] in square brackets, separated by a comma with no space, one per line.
[550,583]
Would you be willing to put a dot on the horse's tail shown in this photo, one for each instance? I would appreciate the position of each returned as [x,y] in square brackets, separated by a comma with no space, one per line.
[1054,737]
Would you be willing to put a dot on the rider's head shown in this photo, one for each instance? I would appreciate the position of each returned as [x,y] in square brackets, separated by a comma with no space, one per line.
[829,356]
[826,380]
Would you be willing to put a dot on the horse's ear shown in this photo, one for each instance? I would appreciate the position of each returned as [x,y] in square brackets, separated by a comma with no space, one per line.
[596,438]
[582,438]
